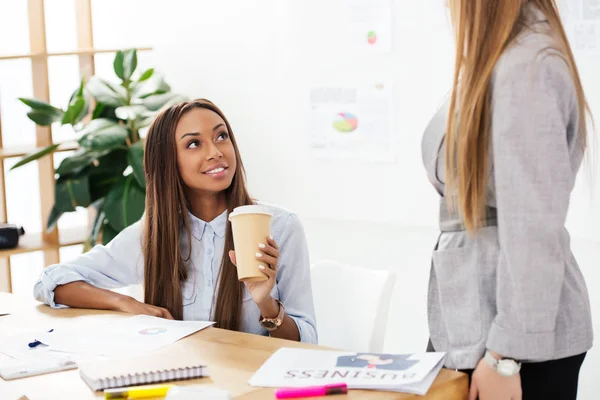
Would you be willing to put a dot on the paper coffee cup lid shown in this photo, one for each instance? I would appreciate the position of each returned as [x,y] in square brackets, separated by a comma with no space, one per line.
[254,209]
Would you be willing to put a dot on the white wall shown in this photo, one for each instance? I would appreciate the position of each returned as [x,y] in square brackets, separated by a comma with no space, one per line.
[239,55]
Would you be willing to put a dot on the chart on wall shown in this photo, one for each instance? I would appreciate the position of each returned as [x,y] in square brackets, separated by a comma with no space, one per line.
[351,121]
[582,21]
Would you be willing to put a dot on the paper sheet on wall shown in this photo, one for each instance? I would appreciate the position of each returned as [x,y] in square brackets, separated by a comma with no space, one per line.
[582,20]
[124,337]
[352,122]
[346,27]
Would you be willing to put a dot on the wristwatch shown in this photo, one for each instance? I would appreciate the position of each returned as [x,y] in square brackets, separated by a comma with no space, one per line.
[504,367]
[270,324]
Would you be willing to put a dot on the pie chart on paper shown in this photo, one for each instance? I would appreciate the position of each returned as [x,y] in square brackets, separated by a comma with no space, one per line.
[372,37]
[345,123]
[152,331]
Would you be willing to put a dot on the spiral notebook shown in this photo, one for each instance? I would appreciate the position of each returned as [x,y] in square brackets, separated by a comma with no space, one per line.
[152,368]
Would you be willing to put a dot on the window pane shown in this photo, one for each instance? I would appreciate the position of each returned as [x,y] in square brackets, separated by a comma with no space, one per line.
[15,82]
[23,196]
[25,270]
[61,29]
[68,253]
[14,25]
[63,74]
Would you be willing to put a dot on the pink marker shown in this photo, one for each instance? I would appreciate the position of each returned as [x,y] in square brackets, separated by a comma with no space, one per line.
[313,391]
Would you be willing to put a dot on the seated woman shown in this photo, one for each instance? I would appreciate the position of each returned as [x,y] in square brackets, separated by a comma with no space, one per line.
[182,249]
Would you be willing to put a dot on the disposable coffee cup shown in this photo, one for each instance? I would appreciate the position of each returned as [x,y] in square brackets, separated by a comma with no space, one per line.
[250,225]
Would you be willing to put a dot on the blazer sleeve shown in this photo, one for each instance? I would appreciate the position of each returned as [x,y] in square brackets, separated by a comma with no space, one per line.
[532,106]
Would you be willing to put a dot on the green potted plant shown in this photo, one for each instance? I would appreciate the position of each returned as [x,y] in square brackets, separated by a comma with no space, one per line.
[106,171]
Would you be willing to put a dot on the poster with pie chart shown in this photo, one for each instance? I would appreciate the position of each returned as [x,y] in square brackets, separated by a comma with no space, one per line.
[345,122]
[351,122]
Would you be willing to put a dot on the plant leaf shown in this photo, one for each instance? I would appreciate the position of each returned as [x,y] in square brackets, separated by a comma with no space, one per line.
[154,85]
[97,125]
[135,158]
[104,111]
[53,219]
[108,171]
[129,63]
[78,161]
[78,94]
[71,192]
[41,106]
[106,139]
[118,65]
[43,118]
[125,203]
[130,113]
[35,155]
[73,112]
[147,74]
[97,224]
[105,93]
[108,233]
[103,134]
[81,87]
[158,101]
[98,110]
[145,122]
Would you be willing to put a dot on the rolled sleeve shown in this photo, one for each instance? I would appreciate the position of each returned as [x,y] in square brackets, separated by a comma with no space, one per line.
[531,109]
[116,265]
[293,278]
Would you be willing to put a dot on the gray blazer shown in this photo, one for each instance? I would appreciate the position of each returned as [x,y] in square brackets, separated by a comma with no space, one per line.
[514,287]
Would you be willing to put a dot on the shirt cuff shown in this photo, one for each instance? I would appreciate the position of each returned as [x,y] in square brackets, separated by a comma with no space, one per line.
[521,346]
[307,332]
[49,280]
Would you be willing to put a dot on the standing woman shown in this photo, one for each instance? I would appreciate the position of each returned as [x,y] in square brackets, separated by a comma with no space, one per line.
[507,300]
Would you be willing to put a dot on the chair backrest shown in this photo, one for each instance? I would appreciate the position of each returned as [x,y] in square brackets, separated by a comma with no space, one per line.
[351,305]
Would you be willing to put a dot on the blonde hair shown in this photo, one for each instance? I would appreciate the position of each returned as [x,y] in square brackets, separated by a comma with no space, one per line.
[483,30]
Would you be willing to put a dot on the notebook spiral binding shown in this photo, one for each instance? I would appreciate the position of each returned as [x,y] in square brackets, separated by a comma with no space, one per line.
[151,377]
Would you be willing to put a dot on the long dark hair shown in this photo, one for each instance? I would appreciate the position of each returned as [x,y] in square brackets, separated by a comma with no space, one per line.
[166,214]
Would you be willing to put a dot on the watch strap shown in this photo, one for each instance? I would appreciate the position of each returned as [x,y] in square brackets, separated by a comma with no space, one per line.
[270,324]
[504,367]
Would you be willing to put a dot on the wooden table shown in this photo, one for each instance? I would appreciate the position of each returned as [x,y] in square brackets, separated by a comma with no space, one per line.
[232,358]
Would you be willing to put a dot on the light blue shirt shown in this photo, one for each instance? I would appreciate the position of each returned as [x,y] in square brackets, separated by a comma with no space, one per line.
[120,263]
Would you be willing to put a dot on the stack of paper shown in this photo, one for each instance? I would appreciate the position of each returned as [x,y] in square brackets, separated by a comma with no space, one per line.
[25,360]
[408,373]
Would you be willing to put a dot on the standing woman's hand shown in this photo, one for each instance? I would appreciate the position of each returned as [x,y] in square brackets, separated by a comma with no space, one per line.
[488,384]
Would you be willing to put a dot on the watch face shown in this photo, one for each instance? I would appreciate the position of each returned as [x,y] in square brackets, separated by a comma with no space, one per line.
[269,324]
[507,367]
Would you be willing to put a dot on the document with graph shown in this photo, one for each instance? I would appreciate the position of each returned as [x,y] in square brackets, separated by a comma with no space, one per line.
[120,337]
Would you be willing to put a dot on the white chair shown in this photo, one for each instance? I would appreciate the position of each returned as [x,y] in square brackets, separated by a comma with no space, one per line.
[351,305]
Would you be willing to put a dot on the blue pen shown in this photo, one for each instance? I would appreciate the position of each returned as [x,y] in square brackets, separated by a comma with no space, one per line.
[36,342]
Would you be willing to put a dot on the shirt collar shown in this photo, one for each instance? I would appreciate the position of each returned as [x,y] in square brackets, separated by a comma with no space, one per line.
[217,225]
